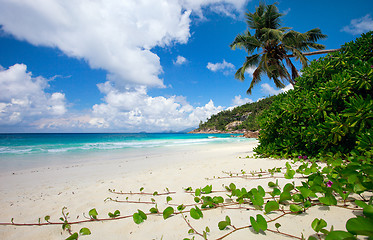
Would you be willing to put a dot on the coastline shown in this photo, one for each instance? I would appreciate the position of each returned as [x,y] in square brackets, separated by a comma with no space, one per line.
[32,194]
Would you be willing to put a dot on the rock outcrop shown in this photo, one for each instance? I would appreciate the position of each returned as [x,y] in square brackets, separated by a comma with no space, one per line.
[251,134]
[244,132]
[232,125]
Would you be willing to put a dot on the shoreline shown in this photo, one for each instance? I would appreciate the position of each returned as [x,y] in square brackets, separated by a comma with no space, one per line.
[81,187]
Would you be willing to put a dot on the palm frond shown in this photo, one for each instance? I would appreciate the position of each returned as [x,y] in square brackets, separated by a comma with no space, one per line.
[299,56]
[240,74]
[316,46]
[294,71]
[248,42]
[314,35]
[249,62]
[272,34]
[256,78]
[272,17]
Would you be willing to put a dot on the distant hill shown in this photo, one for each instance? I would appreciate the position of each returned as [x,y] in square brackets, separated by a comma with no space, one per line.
[241,118]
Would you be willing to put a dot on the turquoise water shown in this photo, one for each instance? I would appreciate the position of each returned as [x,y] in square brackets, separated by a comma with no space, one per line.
[24,144]
[34,150]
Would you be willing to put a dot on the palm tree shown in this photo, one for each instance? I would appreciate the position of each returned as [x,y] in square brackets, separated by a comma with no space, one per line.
[274,45]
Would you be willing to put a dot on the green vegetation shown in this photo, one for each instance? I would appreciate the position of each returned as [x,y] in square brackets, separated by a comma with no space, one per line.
[330,110]
[328,117]
[246,113]
[273,44]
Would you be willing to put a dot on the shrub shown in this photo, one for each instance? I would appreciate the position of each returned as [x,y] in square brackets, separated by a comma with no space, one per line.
[330,110]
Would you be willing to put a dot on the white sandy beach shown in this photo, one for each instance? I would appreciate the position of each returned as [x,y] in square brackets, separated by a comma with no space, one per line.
[31,194]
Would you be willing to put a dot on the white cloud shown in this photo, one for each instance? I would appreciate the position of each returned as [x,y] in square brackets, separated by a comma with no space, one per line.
[23,97]
[117,36]
[360,25]
[250,71]
[267,89]
[180,60]
[224,66]
[225,7]
[286,11]
[238,100]
[134,110]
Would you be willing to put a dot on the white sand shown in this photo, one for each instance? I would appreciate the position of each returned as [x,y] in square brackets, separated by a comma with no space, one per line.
[34,193]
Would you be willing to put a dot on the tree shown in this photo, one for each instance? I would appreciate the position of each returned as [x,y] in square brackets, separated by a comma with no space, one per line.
[274,45]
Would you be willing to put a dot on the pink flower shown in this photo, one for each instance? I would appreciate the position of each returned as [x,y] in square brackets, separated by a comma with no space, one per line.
[329,183]
[300,157]
[304,157]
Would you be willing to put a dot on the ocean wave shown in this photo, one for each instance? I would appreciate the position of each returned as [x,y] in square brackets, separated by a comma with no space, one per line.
[51,148]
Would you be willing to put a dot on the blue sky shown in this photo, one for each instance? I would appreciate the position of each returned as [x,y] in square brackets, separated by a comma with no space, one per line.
[130,66]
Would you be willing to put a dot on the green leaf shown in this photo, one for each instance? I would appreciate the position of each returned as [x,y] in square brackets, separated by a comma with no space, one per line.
[307,204]
[285,196]
[360,226]
[305,192]
[93,213]
[277,225]
[191,231]
[137,218]
[289,174]
[196,213]
[228,220]
[85,231]
[153,210]
[358,188]
[222,225]
[142,214]
[368,211]
[340,235]
[276,191]
[328,200]
[298,198]
[232,186]
[257,200]
[271,206]
[288,187]
[261,191]
[73,236]
[272,184]
[361,203]
[262,223]
[295,208]
[318,224]
[180,207]
[198,192]
[168,199]
[254,224]
[207,189]
[115,214]
[168,212]
[46,218]
[218,200]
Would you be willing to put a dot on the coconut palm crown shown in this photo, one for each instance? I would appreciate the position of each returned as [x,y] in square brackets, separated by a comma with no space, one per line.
[273,45]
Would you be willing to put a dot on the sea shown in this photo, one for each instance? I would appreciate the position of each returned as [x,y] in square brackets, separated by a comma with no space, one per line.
[22,151]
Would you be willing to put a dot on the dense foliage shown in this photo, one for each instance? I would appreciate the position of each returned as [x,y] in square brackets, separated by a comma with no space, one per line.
[246,113]
[330,110]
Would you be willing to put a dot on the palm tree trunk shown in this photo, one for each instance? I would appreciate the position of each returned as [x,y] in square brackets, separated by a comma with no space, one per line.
[316,52]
